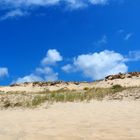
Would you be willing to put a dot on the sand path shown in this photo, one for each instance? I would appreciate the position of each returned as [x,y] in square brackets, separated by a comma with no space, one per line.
[73,121]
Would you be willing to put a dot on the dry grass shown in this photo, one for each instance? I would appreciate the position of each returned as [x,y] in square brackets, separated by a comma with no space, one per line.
[62,95]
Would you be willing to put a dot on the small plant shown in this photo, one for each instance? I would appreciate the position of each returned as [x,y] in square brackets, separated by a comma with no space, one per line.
[117,88]
[37,100]
[86,88]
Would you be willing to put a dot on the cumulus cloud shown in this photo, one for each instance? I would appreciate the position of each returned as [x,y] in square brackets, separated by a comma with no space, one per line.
[48,73]
[45,72]
[29,78]
[98,65]
[95,65]
[3,72]
[68,68]
[52,57]
[40,74]
[22,7]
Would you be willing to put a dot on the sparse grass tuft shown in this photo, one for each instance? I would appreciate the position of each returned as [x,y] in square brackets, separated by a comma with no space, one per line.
[117,88]
[37,100]
[62,95]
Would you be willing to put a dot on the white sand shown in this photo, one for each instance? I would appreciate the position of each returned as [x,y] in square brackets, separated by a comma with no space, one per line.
[73,121]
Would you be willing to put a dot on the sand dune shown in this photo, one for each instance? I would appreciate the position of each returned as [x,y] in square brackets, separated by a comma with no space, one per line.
[37,88]
[134,81]
[113,120]
[95,120]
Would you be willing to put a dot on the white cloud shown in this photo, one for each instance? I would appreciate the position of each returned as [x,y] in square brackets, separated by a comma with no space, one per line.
[98,65]
[13,14]
[3,72]
[48,73]
[92,65]
[99,2]
[21,7]
[133,56]
[29,3]
[68,68]
[75,4]
[52,57]
[29,78]
[102,41]
[45,72]
[128,36]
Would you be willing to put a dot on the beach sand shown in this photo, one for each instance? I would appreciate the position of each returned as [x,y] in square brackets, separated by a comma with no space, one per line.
[106,120]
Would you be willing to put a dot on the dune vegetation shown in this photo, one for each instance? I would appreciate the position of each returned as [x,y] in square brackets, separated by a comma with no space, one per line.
[17,99]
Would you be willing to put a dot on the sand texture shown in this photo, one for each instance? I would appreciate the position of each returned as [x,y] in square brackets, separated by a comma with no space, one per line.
[106,120]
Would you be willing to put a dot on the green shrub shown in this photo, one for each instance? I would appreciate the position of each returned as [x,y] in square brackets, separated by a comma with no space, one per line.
[86,88]
[117,88]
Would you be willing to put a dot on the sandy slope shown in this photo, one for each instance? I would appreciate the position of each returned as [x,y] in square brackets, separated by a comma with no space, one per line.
[73,121]
[30,88]
[127,82]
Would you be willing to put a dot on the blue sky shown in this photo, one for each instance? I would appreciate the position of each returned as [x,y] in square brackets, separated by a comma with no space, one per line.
[68,40]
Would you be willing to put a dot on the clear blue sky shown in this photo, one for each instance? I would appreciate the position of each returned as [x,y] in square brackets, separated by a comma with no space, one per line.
[87,39]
